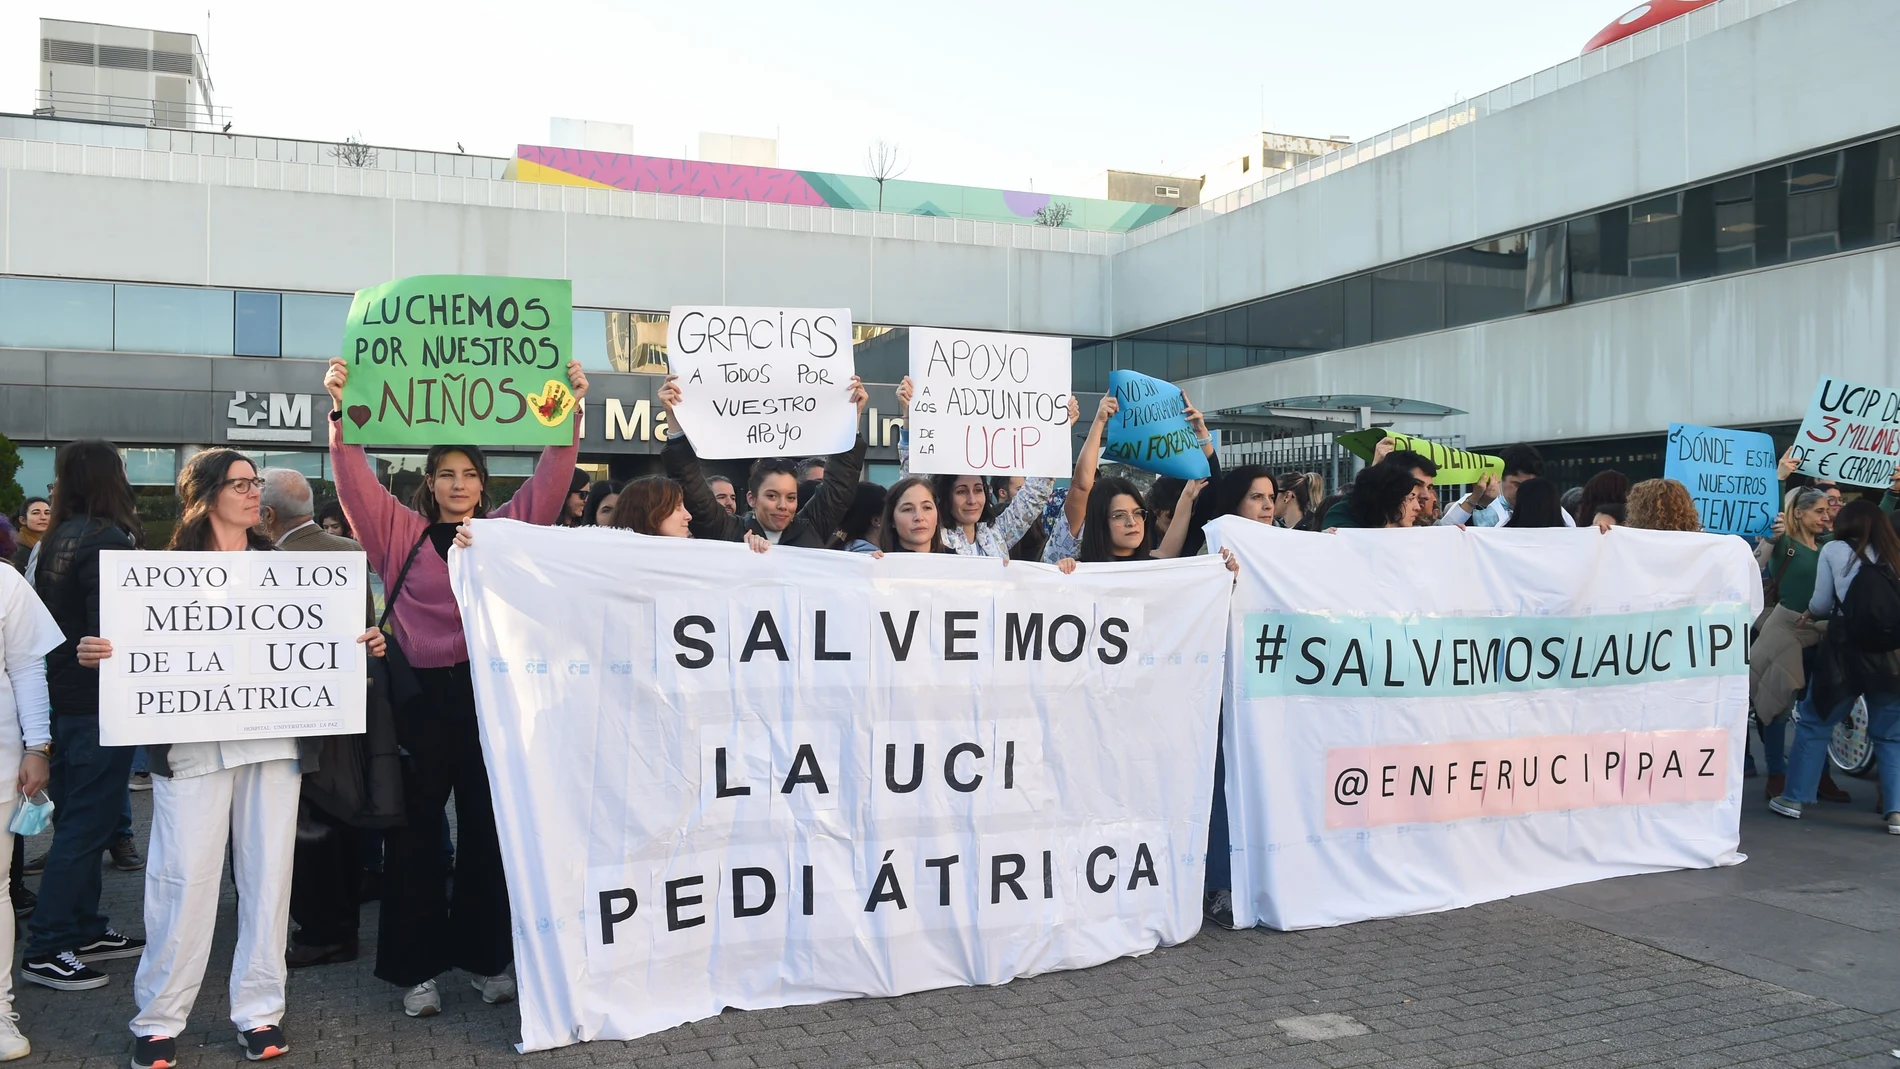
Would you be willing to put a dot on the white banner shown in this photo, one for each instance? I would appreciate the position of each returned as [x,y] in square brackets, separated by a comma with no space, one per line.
[727,779]
[1425,719]
[764,382]
[989,404]
[1851,433]
[215,647]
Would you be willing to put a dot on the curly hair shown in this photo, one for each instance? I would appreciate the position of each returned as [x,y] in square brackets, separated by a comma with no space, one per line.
[1662,505]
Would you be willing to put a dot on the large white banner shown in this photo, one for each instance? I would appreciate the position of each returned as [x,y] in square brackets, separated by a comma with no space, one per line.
[989,404]
[1424,719]
[727,779]
[214,647]
[764,382]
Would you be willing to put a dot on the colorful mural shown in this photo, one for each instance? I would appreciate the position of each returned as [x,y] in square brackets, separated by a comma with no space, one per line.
[776,185]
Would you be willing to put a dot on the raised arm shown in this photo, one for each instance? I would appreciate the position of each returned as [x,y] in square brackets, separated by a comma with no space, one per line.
[710,518]
[539,500]
[1076,505]
[826,509]
[385,526]
[1176,539]
[905,390]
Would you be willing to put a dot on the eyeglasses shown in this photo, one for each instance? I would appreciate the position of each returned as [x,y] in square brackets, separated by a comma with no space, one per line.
[1125,517]
[243,486]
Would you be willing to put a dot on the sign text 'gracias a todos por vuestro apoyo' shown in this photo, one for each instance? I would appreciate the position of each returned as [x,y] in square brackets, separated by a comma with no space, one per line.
[989,404]
[1851,433]
[461,358]
[213,647]
[758,382]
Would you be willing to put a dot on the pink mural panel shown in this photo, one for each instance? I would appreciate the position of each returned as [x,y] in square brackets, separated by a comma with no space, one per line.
[689,178]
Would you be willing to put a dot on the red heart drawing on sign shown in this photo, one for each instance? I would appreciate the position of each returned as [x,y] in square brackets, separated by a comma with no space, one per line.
[359,414]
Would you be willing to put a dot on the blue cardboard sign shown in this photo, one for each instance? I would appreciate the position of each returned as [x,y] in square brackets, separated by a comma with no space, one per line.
[1149,431]
[1730,474]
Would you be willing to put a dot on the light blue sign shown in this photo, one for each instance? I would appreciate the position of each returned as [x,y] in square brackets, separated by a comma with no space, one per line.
[1390,656]
[1730,474]
[1149,431]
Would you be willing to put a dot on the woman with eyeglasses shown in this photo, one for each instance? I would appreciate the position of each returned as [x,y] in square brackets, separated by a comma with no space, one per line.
[206,795]
[427,928]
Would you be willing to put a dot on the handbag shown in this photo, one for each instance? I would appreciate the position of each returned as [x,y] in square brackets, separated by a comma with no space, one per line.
[1771,584]
[398,683]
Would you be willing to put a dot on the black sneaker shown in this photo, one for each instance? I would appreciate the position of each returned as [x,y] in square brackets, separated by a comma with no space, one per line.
[111,945]
[265,1042]
[61,972]
[154,1052]
[125,855]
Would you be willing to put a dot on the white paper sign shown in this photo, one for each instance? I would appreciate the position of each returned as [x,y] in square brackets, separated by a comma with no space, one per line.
[763,382]
[989,404]
[730,779]
[1537,708]
[1851,433]
[216,647]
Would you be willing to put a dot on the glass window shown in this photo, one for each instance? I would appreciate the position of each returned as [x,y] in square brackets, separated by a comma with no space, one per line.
[1735,224]
[257,323]
[1546,267]
[168,319]
[1886,192]
[1485,281]
[1408,299]
[636,341]
[310,464]
[313,325]
[1655,236]
[881,354]
[36,470]
[151,467]
[590,339]
[43,314]
[1814,206]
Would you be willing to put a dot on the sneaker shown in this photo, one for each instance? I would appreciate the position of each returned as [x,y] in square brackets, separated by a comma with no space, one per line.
[262,1043]
[141,781]
[1786,806]
[125,855]
[35,865]
[495,989]
[423,1000]
[1219,908]
[1893,823]
[111,945]
[12,1043]
[61,972]
[154,1052]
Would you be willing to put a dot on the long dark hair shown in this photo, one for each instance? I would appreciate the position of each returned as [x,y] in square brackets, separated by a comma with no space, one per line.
[866,506]
[1235,484]
[887,536]
[1862,525]
[89,480]
[644,503]
[1379,493]
[590,512]
[1098,543]
[424,500]
[200,481]
[945,487]
[1608,487]
[1542,507]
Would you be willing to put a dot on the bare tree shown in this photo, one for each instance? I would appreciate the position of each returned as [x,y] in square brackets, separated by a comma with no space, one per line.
[1054,213]
[881,160]
[353,152]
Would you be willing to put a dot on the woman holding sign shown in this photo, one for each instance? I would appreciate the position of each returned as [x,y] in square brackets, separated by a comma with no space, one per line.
[976,527]
[424,932]
[208,794]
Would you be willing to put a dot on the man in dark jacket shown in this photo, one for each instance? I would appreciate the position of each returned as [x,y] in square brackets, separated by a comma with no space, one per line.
[778,515]
[1423,472]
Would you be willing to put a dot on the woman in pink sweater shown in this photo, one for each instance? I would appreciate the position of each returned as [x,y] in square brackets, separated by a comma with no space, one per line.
[424,931]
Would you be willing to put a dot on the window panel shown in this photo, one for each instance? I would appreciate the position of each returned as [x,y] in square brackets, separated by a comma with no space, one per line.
[44,314]
[590,339]
[169,319]
[313,325]
[1408,299]
[36,470]
[151,467]
[258,323]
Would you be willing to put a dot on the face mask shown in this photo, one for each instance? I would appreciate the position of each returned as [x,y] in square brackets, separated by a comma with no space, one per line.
[33,816]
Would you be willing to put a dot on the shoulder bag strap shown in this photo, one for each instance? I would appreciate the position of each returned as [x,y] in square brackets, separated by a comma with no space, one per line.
[389,603]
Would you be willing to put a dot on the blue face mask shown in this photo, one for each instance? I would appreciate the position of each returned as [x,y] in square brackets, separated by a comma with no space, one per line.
[33,816]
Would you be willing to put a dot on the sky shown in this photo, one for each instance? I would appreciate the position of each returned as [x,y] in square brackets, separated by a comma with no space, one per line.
[1025,94]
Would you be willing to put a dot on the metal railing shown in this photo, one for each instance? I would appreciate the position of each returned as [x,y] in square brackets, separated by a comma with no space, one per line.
[137,111]
[1679,31]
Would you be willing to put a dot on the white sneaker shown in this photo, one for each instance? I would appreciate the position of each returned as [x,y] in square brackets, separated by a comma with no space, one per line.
[423,1000]
[12,1043]
[495,989]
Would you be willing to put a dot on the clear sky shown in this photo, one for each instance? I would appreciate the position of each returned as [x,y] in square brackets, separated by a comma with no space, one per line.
[979,92]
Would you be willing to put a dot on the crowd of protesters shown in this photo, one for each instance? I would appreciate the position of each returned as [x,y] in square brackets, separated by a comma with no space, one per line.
[299,832]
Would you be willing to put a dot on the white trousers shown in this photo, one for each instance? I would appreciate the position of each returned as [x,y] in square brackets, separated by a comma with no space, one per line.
[255,808]
[6,904]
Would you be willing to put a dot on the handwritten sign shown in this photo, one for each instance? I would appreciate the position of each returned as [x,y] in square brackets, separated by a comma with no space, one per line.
[217,647]
[1731,475]
[1149,431]
[1851,433]
[989,404]
[460,358]
[1456,467]
[761,382]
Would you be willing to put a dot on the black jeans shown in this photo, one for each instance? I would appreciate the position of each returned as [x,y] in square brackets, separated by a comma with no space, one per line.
[88,793]
[324,880]
[425,930]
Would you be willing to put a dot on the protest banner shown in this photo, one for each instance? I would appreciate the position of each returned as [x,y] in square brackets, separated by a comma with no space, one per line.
[1149,430]
[728,779]
[760,382]
[989,404]
[1730,474]
[460,358]
[1456,467]
[1851,433]
[1535,710]
[217,647]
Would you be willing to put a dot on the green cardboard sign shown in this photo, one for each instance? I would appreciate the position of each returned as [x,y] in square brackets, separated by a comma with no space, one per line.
[1456,467]
[460,358]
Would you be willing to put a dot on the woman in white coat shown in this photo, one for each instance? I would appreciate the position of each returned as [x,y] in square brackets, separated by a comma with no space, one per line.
[27,634]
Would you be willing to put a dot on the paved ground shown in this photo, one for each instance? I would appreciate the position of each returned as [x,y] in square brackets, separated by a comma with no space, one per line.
[1790,961]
